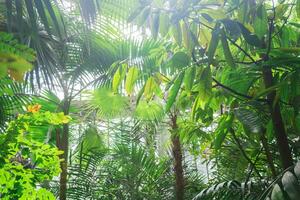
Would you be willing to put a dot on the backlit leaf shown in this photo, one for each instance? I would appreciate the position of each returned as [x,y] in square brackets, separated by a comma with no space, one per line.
[174,91]
[131,78]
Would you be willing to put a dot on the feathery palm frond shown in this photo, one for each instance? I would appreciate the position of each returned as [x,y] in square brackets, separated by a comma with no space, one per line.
[12,101]
[229,190]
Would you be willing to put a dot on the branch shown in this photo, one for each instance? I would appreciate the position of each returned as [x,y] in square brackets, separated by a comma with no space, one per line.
[228,88]
[285,21]
[234,43]
[244,153]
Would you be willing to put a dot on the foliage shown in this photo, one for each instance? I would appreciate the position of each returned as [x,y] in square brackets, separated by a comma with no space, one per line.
[25,162]
[224,74]
[16,59]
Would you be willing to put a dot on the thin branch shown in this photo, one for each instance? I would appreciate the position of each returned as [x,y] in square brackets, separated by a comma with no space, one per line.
[285,21]
[233,43]
[240,146]
[228,88]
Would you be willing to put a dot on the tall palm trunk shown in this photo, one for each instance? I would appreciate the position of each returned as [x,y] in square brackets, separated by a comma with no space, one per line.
[177,154]
[64,146]
[278,125]
[280,133]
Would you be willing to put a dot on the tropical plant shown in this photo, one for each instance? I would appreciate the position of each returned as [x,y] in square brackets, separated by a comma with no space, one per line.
[26,162]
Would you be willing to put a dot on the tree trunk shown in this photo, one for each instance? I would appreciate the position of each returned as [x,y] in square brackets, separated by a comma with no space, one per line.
[177,154]
[64,146]
[280,133]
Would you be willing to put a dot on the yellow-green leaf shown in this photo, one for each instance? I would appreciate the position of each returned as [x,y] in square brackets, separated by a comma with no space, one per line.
[180,59]
[118,77]
[261,21]
[189,77]
[150,87]
[131,78]
[227,52]
[213,44]
[174,91]
[205,86]
[176,33]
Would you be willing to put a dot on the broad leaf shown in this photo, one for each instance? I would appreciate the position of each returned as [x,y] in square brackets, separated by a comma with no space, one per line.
[213,44]
[176,33]
[205,86]
[131,78]
[261,22]
[180,60]
[174,91]
[189,77]
[227,52]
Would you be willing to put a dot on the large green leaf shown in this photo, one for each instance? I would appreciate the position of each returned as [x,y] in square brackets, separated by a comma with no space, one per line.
[250,38]
[164,24]
[151,87]
[174,91]
[205,86]
[131,78]
[155,24]
[180,59]
[291,185]
[227,52]
[261,21]
[118,77]
[176,33]
[189,77]
[213,43]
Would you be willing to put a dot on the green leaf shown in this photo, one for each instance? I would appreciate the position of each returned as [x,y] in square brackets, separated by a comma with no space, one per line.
[134,14]
[189,77]
[250,38]
[176,33]
[118,77]
[180,59]
[53,16]
[297,170]
[42,14]
[131,78]
[298,8]
[291,186]
[174,91]
[149,110]
[277,193]
[164,24]
[222,130]
[261,22]
[232,28]
[186,36]
[205,86]
[213,44]
[150,87]
[144,16]
[155,24]
[227,52]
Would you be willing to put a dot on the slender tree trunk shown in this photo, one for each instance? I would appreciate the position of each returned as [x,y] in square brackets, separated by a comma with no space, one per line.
[280,133]
[177,154]
[278,125]
[64,146]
